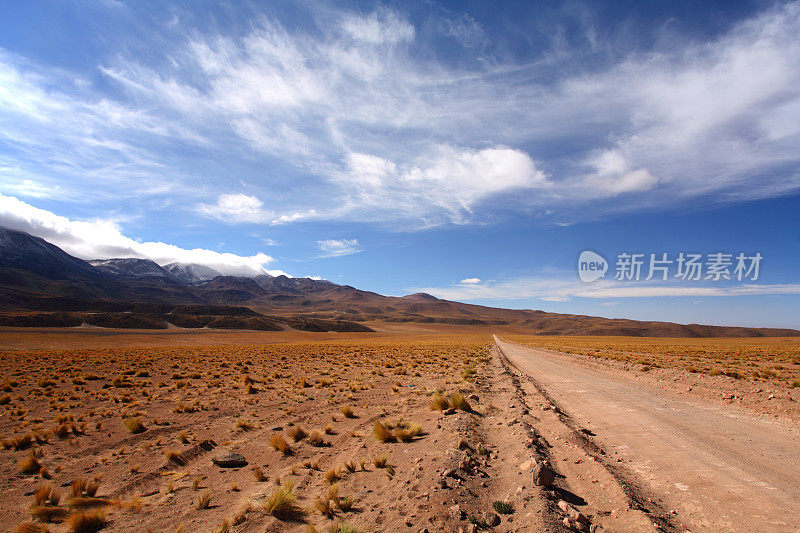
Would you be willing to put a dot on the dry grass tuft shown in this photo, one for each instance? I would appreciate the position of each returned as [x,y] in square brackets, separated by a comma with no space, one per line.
[135,425]
[174,457]
[347,411]
[316,440]
[48,514]
[30,527]
[457,401]
[439,403]
[297,433]
[259,474]
[30,464]
[382,433]
[204,500]
[333,475]
[87,521]
[282,504]
[279,443]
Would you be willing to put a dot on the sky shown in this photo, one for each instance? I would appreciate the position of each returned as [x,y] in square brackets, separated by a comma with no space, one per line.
[470,150]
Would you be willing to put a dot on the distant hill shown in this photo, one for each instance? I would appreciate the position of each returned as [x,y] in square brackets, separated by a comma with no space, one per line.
[38,276]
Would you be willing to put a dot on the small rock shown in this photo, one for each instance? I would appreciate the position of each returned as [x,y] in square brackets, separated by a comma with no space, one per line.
[456,513]
[491,519]
[230,460]
[543,475]
[449,411]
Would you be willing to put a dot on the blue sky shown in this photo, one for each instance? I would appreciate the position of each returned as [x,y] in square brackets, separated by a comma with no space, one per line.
[468,149]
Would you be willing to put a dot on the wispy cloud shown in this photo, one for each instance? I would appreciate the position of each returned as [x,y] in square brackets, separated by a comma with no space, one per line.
[356,110]
[562,290]
[237,208]
[339,247]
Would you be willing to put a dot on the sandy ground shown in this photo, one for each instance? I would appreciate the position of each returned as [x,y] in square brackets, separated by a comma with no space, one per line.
[198,403]
[692,463]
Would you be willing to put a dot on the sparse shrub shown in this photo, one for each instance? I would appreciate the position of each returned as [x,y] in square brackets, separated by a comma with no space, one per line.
[439,403]
[48,514]
[134,425]
[174,457]
[381,461]
[382,433]
[297,433]
[328,502]
[333,475]
[316,440]
[347,411]
[245,425]
[457,401]
[282,503]
[503,507]
[279,443]
[204,500]
[259,474]
[87,521]
[346,504]
[30,464]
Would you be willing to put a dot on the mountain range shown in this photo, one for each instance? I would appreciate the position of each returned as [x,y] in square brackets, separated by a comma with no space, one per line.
[40,284]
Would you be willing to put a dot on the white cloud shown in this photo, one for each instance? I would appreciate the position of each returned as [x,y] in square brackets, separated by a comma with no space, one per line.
[378,27]
[339,247]
[234,208]
[470,281]
[446,182]
[102,239]
[561,290]
[465,29]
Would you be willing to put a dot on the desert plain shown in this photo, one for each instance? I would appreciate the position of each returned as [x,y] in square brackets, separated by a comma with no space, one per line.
[398,430]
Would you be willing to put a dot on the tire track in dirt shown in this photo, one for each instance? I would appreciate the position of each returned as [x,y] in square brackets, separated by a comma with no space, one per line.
[585,478]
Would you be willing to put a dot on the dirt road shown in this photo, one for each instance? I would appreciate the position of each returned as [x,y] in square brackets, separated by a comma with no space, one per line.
[706,467]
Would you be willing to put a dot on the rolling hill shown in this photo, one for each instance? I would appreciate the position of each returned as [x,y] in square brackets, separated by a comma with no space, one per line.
[37,278]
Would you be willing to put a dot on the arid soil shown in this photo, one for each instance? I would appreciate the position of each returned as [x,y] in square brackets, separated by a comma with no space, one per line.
[340,432]
[392,434]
